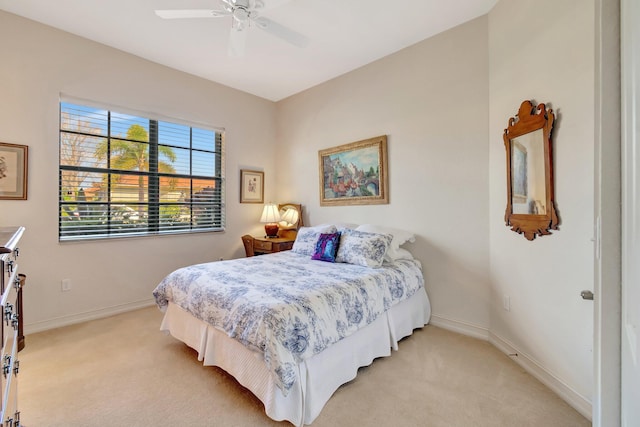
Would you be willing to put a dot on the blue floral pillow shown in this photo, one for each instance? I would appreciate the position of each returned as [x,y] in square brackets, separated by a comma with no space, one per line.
[326,247]
[307,237]
[362,248]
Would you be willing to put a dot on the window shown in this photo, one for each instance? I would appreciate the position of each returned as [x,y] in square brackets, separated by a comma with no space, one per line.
[124,175]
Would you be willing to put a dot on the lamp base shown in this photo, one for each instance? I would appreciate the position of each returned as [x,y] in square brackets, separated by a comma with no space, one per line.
[271,230]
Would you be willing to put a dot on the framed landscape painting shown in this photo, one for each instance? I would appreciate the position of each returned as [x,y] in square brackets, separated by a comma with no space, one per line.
[251,186]
[13,171]
[355,173]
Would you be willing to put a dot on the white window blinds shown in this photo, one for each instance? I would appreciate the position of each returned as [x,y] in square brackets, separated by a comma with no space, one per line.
[124,175]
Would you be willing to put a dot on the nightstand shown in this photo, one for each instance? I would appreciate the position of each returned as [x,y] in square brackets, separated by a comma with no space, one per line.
[264,245]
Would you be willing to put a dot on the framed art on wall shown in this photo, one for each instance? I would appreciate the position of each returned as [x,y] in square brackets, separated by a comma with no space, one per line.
[251,186]
[13,171]
[355,173]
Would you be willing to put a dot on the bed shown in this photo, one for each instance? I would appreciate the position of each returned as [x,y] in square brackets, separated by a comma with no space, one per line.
[291,328]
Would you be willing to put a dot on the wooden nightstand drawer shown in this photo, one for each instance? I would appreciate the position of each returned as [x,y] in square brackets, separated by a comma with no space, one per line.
[285,246]
[262,245]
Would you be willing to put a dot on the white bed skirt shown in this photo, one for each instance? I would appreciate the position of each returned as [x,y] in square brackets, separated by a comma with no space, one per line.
[319,377]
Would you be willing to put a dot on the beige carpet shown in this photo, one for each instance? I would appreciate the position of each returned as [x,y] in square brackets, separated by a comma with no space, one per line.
[122,371]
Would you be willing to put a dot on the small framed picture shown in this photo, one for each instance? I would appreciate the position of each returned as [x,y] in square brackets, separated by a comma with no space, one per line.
[251,186]
[13,171]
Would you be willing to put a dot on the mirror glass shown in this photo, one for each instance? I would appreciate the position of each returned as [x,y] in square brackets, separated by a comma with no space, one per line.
[528,185]
[290,216]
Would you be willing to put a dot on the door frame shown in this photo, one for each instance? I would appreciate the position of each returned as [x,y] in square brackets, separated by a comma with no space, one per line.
[630,245]
[607,229]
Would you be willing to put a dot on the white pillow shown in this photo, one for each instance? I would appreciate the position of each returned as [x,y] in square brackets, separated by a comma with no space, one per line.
[396,254]
[345,225]
[305,243]
[400,237]
[362,248]
[339,225]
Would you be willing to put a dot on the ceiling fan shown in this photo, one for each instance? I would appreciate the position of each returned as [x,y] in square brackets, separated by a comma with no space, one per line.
[244,14]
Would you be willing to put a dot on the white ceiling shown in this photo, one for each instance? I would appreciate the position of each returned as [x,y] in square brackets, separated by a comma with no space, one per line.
[343,34]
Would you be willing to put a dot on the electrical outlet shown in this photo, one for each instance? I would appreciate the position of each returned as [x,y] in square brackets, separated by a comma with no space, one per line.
[506,303]
[66,285]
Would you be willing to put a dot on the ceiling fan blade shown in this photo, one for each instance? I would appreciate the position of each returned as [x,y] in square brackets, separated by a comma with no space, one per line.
[191,13]
[237,42]
[282,32]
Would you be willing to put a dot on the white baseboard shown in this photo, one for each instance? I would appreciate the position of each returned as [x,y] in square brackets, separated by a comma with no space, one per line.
[529,364]
[72,319]
[463,328]
[569,395]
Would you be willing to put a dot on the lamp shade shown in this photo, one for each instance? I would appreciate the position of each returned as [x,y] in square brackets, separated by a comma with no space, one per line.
[270,216]
[270,213]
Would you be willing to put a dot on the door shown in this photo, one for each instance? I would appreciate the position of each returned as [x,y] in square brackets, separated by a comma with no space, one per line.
[630,298]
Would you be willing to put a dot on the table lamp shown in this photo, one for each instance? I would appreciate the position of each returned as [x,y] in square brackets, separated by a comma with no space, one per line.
[270,216]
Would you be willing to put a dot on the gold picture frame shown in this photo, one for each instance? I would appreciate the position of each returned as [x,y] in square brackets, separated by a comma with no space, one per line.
[251,186]
[354,173]
[13,171]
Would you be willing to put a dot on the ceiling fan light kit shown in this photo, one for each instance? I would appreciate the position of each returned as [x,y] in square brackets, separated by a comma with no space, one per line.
[242,13]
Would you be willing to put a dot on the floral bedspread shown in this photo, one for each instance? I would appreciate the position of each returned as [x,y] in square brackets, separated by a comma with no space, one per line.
[287,306]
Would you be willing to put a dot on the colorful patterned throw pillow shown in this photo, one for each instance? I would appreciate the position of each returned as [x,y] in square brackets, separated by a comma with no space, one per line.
[326,247]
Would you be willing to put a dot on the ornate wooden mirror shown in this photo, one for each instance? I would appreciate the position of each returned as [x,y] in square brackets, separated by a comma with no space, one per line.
[530,202]
[290,219]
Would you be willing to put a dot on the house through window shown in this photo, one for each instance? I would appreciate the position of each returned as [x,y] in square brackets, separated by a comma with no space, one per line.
[126,175]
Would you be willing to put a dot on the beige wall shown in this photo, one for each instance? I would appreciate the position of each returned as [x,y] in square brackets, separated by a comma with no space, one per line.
[443,103]
[38,64]
[535,54]
[431,100]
